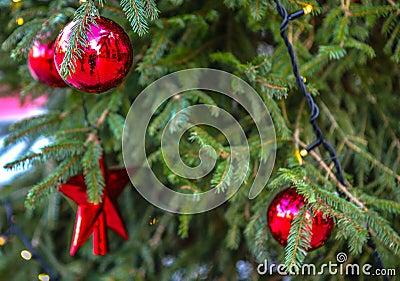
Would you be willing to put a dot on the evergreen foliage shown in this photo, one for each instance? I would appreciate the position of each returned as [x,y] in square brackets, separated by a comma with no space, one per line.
[347,51]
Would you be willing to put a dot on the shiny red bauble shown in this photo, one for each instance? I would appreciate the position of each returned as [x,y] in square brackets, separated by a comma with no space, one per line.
[41,64]
[105,61]
[282,211]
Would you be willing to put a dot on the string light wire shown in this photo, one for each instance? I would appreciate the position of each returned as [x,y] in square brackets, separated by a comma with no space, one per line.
[14,229]
[314,112]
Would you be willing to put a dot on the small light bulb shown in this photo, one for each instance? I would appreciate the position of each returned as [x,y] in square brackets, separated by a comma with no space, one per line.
[3,240]
[308,9]
[20,21]
[43,277]
[304,79]
[26,255]
[16,1]
[303,153]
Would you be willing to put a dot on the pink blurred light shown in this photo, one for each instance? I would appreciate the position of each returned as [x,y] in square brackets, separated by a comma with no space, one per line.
[11,108]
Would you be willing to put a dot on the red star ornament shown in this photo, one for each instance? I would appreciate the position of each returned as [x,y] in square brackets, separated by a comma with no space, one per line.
[96,218]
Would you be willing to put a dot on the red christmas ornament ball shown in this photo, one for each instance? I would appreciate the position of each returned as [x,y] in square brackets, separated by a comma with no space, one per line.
[106,59]
[41,64]
[282,211]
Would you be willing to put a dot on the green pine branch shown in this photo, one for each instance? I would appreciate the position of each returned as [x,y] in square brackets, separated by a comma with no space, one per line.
[94,177]
[204,139]
[37,28]
[61,174]
[222,177]
[32,127]
[299,239]
[151,10]
[184,224]
[200,96]
[85,16]
[384,205]
[57,151]
[234,234]
[137,14]
[21,40]
[116,124]
[24,162]
[383,231]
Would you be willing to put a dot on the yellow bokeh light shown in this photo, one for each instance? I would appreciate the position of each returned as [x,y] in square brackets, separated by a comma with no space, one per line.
[20,21]
[303,153]
[153,221]
[3,240]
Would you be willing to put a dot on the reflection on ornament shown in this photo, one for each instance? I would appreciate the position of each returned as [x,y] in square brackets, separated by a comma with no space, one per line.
[105,60]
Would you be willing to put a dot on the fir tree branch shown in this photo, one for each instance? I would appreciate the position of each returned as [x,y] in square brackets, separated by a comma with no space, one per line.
[63,149]
[61,174]
[384,232]
[161,120]
[299,239]
[94,177]
[222,177]
[31,126]
[85,16]
[204,139]
[197,95]
[72,132]
[356,148]
[116,124]
[234,233]
[151,10]
[22,163]
[58,151]
[381,204]
[136,14]
[184,222]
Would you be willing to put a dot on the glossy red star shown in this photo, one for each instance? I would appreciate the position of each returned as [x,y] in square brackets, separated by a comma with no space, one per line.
[95,218]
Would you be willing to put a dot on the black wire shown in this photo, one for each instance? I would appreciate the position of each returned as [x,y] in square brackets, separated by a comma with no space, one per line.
[14,229]
[314,112]
[85,112]
[86,115]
